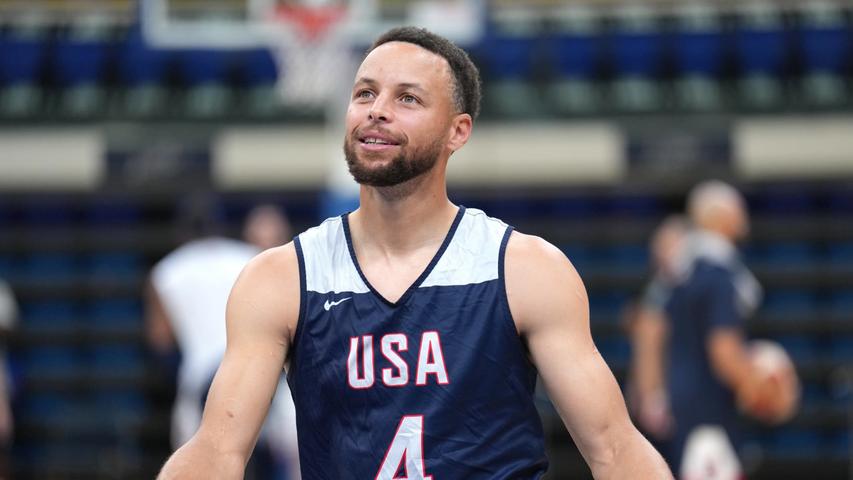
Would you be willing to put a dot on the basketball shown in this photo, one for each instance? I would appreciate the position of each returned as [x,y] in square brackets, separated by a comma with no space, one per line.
[778,396]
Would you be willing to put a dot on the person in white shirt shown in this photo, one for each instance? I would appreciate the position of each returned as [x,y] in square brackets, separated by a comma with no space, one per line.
[186,301]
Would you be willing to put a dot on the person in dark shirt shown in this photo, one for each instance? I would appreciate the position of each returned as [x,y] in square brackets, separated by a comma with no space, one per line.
[693,323]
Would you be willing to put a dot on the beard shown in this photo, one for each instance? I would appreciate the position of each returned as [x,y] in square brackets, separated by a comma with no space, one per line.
[402,168]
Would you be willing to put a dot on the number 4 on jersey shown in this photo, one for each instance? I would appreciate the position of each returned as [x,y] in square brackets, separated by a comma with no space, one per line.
[406,450]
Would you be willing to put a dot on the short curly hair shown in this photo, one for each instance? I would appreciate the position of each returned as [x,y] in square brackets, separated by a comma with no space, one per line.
[466,77]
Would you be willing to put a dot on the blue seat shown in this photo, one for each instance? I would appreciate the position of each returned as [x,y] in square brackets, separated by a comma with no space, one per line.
[841,303]
[625,257]
[698,50]
[761,47]
[576,55]
[49,314]
[790,303]
[50,267]
[116,359]
[634,205]
[840,253]
[637,52]
[841,348]
[113,212]
[138,63]
[257,68]
[578,254]
[790,254]
[115,314]
[81,59]
[50,211]
[46,405]
[113,265]
[783,200]
[794,441]
[54,361]
[120,404]
[24,54]
[203,67]
[607,304]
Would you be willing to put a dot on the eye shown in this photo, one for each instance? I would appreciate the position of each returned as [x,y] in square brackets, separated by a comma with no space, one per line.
[363,94]
[408,98]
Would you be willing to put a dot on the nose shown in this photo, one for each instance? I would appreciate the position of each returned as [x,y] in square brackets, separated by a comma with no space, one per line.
[379,110]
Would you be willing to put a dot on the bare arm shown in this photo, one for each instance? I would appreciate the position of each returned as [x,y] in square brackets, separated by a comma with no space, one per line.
[731,364]
[649,342]
[261,317]
[158,328]
[550,308]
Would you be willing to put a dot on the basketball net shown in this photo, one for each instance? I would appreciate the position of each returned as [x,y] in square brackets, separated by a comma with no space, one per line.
[314,57]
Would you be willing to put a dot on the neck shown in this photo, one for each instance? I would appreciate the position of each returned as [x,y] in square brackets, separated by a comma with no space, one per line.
[404,217]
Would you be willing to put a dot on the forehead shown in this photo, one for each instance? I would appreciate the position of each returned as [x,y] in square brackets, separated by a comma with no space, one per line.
[401,62]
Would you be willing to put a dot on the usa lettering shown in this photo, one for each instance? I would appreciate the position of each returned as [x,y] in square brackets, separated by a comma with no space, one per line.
[361,362]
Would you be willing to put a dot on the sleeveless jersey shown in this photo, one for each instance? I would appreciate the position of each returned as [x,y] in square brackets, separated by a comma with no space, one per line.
[437,385]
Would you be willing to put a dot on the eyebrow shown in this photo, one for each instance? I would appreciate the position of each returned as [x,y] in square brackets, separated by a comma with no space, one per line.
[408,85]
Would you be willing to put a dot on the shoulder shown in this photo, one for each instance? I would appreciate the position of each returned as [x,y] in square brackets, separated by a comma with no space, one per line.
[541,282]
[268,290]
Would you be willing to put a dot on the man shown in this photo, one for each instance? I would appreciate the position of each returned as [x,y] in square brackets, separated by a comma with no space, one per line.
[647,328]
[185,309]
[413,328]
[696,323]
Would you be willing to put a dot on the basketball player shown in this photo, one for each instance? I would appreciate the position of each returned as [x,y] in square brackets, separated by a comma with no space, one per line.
[706,295]
[413,328]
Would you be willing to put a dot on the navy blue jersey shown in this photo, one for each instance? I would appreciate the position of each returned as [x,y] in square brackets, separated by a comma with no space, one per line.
[437,385]
[716,292]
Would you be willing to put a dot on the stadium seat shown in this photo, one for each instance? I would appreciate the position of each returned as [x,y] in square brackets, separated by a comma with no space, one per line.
[22,64]
[115,266]
[115,314]
[698,50]
[258,74]
[204,75]
[51,267]
[825,41]
[509,51]
[790,304]
[80,64]
[637,45]
[575,51]
[49,315]
[142,70]
[116,359]
[51,361]
[761,49]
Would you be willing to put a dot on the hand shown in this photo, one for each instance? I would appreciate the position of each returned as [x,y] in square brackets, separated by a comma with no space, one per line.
[654,415]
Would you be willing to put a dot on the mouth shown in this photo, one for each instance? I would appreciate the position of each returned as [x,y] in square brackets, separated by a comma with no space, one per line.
[377,141]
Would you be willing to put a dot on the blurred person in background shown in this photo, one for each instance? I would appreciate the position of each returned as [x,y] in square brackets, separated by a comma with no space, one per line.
[8,319]
[646,326]
[693,372]
[186,301]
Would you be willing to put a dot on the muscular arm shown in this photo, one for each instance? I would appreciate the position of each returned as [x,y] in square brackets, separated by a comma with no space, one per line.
[550,308]
[262,314]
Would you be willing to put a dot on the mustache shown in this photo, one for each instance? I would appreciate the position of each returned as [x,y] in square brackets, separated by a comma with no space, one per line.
[373,128]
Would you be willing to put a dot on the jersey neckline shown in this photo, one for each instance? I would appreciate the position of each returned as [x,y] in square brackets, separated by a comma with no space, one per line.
[423,276]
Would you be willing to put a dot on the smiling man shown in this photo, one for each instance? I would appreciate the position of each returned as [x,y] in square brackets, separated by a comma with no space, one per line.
[413,328]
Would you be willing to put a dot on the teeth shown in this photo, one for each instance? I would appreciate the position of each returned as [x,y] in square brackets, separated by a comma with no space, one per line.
[375,141]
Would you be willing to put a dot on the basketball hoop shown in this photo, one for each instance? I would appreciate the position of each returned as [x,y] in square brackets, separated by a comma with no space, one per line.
[312,52]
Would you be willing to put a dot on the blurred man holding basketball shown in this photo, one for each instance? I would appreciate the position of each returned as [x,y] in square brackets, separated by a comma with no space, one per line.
[696,322]
[413,328]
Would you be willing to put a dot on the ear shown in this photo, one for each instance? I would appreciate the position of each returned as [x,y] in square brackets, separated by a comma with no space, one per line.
[460,130]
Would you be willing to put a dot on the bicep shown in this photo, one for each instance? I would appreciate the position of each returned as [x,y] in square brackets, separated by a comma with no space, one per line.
[261,313]
[552,314]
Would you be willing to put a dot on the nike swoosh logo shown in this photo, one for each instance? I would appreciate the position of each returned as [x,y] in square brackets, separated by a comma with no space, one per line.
[328,305]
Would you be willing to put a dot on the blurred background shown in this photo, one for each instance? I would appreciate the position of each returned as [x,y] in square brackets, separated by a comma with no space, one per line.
[598,117]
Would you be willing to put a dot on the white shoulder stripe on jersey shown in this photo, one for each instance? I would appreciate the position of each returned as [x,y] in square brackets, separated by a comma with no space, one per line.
[328,265]
[473,254]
